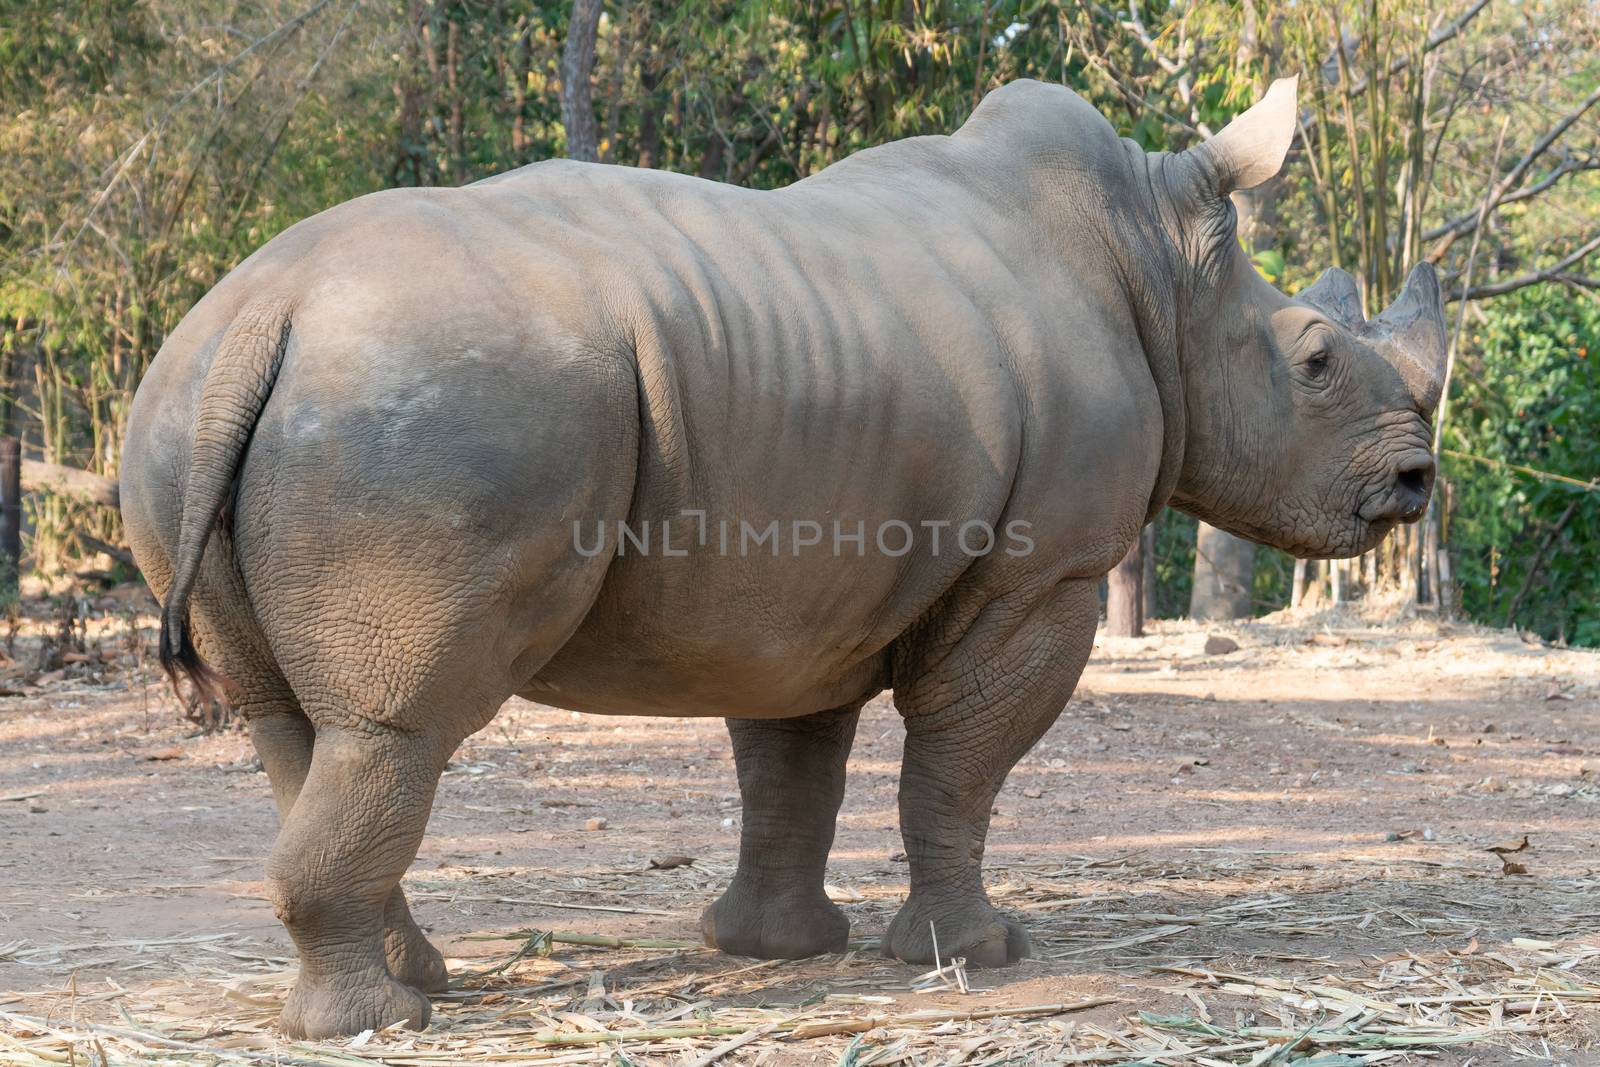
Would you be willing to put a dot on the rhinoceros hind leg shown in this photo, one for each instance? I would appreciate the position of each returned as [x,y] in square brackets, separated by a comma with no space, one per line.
[284,739]
[383,737]
[967,927]
[316,1013]
[336,868]
[791,776]
[968,720]
[230,638]
[283,736]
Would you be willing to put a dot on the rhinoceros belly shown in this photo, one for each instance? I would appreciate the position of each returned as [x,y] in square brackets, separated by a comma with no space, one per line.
[739,648]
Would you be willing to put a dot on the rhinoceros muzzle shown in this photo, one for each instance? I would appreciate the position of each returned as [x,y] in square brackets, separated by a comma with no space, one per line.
[1407,497]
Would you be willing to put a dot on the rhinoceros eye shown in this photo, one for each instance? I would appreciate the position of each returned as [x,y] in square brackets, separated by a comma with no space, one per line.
[1317,365]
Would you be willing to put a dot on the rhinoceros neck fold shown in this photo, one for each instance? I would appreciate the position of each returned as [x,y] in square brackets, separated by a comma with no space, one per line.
[1083,186]
[1160,299]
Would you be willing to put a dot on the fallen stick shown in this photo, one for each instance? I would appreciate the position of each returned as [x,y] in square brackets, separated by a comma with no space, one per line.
[541,904]
[38,476]
[116,552]
[591,940]
[805,1029]
[729,1046]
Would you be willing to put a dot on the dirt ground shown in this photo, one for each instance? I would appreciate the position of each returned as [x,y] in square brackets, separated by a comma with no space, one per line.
[1276,854]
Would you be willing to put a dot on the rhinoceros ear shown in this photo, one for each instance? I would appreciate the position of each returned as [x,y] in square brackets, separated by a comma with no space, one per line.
[1252,147]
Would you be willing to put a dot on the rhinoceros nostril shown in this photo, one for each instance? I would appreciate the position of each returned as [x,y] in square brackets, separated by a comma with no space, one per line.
[1413,481]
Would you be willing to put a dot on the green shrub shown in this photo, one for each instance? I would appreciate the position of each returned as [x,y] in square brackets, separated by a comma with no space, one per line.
[1527,395]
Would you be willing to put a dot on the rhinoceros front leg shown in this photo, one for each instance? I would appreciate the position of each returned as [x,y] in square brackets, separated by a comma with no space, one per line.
[791,777]
[968,720]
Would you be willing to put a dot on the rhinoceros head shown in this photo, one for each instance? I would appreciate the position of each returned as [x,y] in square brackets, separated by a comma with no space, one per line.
[1308,424]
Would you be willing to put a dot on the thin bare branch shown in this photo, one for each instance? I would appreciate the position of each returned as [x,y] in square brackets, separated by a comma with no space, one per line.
[302,89]
[1560,271]
[1457,227]
[1470,218]
[99,197]
[1444,34]
[1461,312]
[1577,281]
[1096,58]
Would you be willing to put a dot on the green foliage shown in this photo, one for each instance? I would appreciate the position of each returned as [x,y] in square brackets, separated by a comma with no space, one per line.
[149,145]
[1272,580]
[1175,546]
[46,45]
[1529,395]
[1175,533]
[1270,263]
[146,146]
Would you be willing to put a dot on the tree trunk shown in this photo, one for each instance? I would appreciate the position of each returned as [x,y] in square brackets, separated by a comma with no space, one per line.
[649,110]
[1447,598]
[458,122]
[1125,594]
[522,61]
[577,64]
[10,516]
[410,158]
[1149,539]
[1224,575]
[1402,559]
[38,476]
[1444,588]
[620,60]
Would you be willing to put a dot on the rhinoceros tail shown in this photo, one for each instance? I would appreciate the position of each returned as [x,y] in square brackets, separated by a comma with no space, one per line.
[236,389]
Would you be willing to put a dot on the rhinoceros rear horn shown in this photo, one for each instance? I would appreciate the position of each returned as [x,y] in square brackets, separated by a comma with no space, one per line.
[1413,337]
[1252,147]
[1334,294]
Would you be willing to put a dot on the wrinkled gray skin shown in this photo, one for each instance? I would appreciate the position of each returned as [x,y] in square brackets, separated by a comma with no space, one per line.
[400,407]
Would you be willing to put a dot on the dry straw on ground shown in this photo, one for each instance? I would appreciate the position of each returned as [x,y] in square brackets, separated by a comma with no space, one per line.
[1308,852]
[556,997]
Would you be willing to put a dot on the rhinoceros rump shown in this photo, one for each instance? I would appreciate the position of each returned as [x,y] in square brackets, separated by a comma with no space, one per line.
[369,467]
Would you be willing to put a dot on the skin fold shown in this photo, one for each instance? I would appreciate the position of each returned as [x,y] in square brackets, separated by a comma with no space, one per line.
[364,473]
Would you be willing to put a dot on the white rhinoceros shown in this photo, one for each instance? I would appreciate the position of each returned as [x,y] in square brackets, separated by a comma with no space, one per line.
[635,443]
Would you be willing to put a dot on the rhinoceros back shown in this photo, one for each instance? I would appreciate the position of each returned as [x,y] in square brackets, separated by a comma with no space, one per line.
[818,355]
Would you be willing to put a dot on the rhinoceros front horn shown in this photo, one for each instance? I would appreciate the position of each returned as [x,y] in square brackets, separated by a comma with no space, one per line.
[1334,294]
[1411,335]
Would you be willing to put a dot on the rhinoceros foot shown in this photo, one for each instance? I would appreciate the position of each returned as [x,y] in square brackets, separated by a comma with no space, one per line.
[744,922]
[317,1010]
[411,957]
[973,930]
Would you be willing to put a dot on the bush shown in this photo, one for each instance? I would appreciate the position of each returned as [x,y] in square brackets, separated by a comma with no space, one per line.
[1526,396]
